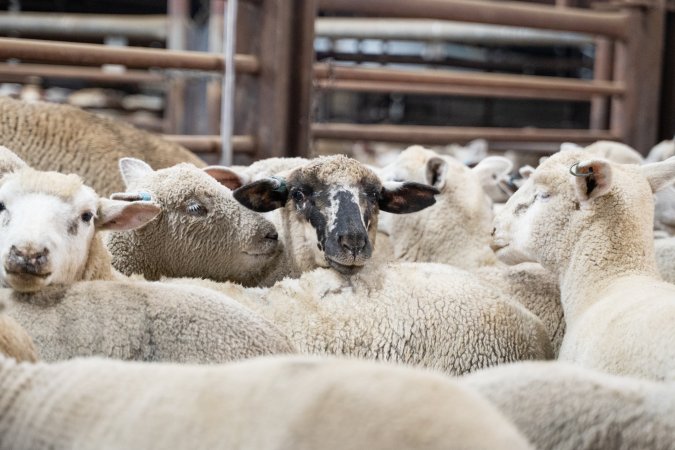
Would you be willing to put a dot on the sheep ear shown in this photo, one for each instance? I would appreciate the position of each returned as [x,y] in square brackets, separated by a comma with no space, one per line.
[478,148]
[227,176]
[121,215]
[592,178]
[660,174]
[569,146]
[526,172]
[491,169]
[263,195]
[133,170]
[10,161]
[437,170]
[407,197]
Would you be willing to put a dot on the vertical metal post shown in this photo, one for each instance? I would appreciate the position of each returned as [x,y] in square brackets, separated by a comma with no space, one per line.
[176,40]
[227,103]
[214,86]
[602,71]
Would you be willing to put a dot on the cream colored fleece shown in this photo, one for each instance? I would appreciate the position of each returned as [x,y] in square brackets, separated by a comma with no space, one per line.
[295,403]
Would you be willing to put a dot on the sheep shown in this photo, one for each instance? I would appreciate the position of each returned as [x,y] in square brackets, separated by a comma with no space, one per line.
[14,341]
[49,240]
[562,406]
[202,231]
[428,315]
[456,231]
[589,221]
[66,139]
[661,151]
[147,321]
[267,403]
[610,150]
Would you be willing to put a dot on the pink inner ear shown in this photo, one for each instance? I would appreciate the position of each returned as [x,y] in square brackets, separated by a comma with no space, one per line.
[226,177]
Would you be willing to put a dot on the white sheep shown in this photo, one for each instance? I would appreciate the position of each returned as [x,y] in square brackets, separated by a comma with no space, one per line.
[565,407]
[49,240]
[269,403]
[70,140]
[661,151]
[456,231]
[590,222]
[664,250]
[428,315]
[211,234]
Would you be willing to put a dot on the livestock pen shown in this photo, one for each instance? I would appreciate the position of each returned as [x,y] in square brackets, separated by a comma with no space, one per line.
[270,112]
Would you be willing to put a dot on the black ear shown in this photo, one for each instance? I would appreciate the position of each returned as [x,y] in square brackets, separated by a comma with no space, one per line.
[408,197]
[263,195]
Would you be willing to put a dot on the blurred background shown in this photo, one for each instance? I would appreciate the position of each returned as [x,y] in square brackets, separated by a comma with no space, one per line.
[361,78]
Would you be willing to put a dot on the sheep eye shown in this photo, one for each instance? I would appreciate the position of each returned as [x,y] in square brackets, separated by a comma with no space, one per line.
[543,195]
[298,196]
[86,217]
[196,209]
[2,206]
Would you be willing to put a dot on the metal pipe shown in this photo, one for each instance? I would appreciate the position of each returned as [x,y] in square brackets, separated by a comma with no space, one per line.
[449,89]
[545,85]
[211,144]
[442,135]
[227,97]
[20,72]
[438,30]
[94,55]
[608,23]
[93,26]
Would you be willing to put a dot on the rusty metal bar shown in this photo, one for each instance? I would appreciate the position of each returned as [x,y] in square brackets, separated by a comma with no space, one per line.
[20,72]
[607,23]
[428,135]
[543,85]
[141,27]
[95,54]
[602,71]
[211,144]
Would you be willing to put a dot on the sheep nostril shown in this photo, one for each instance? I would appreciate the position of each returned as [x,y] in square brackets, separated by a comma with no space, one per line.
[494,230]
[273,235]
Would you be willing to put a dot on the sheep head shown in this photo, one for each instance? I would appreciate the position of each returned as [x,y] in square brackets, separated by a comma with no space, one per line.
[334,203]
[48,223]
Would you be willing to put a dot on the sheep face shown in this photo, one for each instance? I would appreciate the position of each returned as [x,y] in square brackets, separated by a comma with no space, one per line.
[545,219]
[201,230]
[48,222]
[335,201]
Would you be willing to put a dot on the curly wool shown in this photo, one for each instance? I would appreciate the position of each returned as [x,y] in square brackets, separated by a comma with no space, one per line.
[566,407]
[136,320]
[67,139]
[270,403]
[428,315]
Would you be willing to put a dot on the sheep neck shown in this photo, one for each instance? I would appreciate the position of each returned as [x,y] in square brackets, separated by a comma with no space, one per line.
[452,242]
[99,263]
[597,261]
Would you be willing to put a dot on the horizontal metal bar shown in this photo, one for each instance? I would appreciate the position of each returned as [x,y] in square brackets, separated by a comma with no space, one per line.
[137,57]
[517,14]
[546,86]
[212,144]
[19,72]
[143,27]
[428,135]
[443,30]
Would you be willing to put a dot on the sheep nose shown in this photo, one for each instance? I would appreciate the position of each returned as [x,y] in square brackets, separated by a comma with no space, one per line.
[26,261]
[354,243]
[273,235]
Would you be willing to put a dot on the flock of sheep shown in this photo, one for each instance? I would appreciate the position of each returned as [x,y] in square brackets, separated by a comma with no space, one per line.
[264,294]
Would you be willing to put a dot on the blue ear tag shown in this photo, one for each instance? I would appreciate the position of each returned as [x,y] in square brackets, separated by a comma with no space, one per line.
[281,187]
[145,196]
